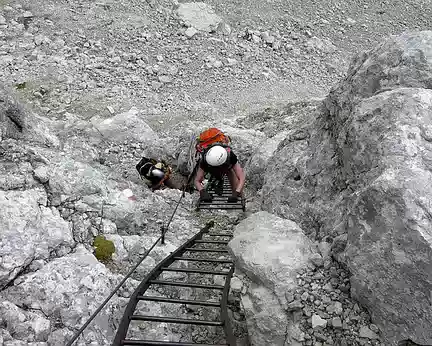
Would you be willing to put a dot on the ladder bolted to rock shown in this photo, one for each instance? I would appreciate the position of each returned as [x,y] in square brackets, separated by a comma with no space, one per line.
[221,201]
[204,247]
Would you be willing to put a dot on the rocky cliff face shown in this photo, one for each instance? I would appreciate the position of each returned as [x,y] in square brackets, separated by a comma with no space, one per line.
[54,201]
[385,148]
[344,179]
[357,168]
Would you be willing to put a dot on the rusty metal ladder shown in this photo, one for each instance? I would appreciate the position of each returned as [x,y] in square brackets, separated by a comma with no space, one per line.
[220,201]
[191,251]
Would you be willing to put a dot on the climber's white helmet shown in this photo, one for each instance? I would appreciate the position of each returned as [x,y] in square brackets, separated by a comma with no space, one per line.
[216,156]
[157,173]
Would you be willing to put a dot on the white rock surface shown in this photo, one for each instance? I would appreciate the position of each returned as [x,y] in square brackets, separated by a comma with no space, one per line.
[199,15]
[270,251]
[69,289]
[127,126]
[29,231]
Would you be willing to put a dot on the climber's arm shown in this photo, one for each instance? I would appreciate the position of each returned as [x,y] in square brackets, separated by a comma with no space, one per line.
[199,177]
[238,170]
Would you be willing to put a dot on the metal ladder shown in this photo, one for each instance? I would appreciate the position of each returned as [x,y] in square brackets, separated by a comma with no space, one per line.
[221,201]
[192,251]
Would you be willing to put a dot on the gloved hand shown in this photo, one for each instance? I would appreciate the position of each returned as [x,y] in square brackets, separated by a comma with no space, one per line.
[234,197]
[205,196]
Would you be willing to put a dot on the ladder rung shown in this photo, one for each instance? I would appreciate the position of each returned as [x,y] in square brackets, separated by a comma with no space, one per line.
[159,343]
[185,284]
[191,270]
[221,204]
[223,194]
[178,301]
[195,249]
[219,234]
[174,320]
[216,208]
[203,260]
[212,241]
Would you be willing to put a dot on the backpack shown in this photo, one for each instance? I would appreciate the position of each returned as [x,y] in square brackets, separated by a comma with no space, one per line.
[210,137]
[146,165]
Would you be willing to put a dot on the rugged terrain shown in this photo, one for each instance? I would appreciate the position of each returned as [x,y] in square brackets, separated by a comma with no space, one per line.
[91,86]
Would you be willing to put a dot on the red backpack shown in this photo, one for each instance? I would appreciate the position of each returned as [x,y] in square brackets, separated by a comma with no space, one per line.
[211,137]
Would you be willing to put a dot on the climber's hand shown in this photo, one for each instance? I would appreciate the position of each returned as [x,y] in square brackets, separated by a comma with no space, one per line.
[234,197]
[205,196]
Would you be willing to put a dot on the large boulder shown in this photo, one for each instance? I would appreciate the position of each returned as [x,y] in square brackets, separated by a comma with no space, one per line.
[29,231]
[382,116]
[18,122]
[357,169]
[198,15]
[300,180]
[270,251]
[126,126]
[67,290]
[24,325]
[257,163]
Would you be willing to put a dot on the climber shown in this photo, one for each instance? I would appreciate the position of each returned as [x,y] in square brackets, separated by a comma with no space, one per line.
[157,173]
[218,159]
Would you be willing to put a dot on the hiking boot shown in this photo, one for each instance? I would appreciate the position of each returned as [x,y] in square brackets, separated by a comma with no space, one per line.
[219,187]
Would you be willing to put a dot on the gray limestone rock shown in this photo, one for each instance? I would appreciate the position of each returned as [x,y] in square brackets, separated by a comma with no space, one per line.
[29,231]
[199,15]
[386,153]
[69,289]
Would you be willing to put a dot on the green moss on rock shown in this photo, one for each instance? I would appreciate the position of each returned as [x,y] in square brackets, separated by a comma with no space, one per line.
[103,248]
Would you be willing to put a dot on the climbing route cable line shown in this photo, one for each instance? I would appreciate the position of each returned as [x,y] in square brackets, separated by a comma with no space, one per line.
[202,260]
[196,250]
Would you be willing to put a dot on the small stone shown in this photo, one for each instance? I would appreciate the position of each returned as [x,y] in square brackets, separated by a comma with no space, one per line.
[335,308]
[28,14]
[41,174]
[326,300]
[337,322]
[236,284]
[217,64]
[320,337]
[307,311]
[2,20]
[111,109]
[304,296]
[295,305]
[374,328]
[267,38]
[256,39]
[317,260]
[156,85]
[289,296]
[231,62]
[328,287]
[159,58]
[318,322]
[365,332]
[224,29]
[191,32]
[165,79]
